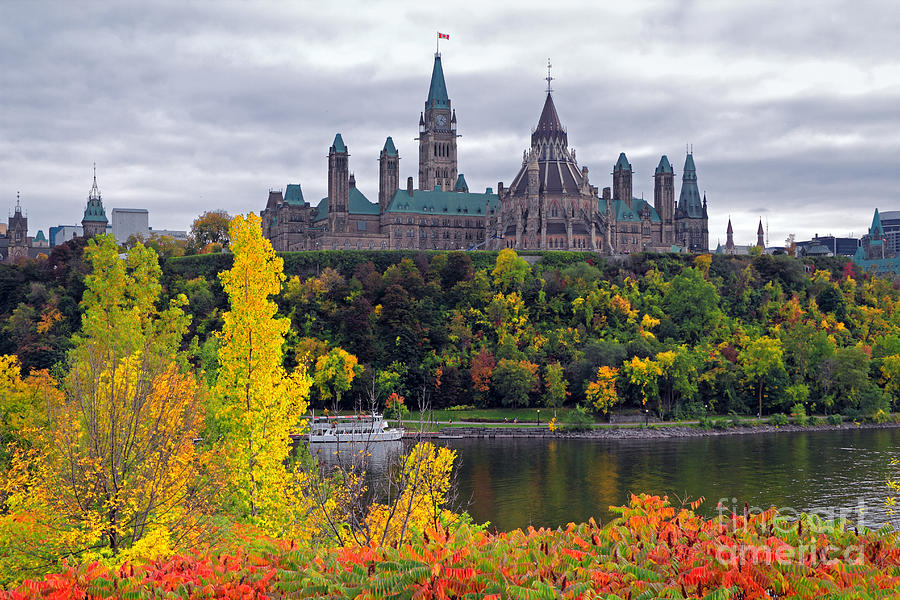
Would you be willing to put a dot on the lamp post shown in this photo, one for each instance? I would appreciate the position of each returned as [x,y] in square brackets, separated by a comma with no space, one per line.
[539,417]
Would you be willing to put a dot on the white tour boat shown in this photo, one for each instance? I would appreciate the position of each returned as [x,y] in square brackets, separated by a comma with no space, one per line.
[357,428]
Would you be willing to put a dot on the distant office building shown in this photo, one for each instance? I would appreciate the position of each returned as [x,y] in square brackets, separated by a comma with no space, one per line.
[827,245]
[61,234]
[130,221]
[172,233]
[890,222]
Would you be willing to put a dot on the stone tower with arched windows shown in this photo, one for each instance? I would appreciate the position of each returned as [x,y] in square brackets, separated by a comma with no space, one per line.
[437,136]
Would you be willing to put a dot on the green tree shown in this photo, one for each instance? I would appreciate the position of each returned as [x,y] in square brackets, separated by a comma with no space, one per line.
[259,404]
[514,381]
[693,305]
[555,384]
[759,359]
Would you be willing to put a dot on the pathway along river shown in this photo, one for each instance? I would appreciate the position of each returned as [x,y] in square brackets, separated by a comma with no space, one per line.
[519,482]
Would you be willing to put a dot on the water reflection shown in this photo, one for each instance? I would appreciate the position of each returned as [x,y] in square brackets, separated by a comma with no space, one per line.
[519,482]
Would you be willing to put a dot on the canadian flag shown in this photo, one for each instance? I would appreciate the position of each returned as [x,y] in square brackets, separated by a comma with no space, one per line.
[445,36]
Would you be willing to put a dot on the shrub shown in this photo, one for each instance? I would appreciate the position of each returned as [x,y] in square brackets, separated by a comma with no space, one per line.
[815,421]
[880,417]
[720,424]
[462,407]
[704,423]
[798,411]
[835,420]
[578,419]
[737,421]
[779,419]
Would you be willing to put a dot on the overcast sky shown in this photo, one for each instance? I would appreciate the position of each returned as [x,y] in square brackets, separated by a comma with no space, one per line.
[792,108]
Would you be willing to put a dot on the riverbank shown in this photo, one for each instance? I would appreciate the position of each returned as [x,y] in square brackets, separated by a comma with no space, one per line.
[612,433]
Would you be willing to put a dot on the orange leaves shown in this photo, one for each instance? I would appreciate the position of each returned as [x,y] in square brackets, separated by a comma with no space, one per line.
[538,563]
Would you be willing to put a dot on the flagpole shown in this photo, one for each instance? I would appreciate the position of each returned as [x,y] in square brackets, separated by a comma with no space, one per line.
[437,44]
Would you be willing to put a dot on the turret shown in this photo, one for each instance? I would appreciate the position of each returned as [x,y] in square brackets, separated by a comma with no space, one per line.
[664,199]
[388,173]
[338,185]
[622,186]
[94,221]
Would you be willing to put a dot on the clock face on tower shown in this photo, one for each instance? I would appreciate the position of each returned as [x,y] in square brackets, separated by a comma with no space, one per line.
[440,120]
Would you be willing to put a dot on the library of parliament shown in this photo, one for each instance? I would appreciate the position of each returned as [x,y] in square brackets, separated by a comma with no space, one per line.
[550,204]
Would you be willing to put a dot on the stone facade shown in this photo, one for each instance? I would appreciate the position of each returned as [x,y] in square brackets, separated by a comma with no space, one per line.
[550,205]
[15,243]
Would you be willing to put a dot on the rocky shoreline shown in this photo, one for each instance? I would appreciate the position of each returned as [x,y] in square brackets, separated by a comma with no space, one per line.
[625,433]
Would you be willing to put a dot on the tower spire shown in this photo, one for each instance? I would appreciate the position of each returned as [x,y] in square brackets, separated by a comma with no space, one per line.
[549,78]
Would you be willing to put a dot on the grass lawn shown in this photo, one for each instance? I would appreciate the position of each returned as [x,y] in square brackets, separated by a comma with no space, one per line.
[493,415]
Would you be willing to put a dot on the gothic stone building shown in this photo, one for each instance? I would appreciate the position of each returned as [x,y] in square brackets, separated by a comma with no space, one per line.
[15,243]
[550,205]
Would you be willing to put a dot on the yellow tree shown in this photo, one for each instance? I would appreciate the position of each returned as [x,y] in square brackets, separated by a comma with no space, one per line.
[644,373]
[259,403]
[601,392]
[335,372]
[114,469]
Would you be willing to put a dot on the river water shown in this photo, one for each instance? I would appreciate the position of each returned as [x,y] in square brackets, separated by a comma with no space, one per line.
[519,482]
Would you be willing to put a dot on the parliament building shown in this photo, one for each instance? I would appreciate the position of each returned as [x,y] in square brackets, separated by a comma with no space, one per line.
[550,204]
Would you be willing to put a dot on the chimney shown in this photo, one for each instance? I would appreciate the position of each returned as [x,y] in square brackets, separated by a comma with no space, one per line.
[352,181]
[409,186]
[499,188]
[606,193]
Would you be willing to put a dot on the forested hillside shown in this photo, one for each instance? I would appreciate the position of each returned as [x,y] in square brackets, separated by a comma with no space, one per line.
[678,334]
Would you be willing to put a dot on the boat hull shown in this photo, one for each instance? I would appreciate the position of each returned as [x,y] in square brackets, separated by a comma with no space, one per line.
[388,435]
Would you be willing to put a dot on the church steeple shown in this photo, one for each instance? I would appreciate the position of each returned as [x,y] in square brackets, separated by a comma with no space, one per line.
[760,235]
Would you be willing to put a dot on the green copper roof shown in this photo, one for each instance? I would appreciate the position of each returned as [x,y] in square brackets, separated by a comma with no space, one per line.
[321,210]
[689,202]
[359,205]
[437,92]
[338,144]
[622,163]
[438,203]
[633,214]
[664,166]
[389,148]
[461,185]
[94,212]
[876,231]
[293,194]
[40,236]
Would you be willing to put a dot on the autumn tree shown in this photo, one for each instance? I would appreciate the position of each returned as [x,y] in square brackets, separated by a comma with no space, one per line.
[644,374]
[115,469]
[601,392]
[510,271]
[259,404]
[212,227]
[482,371]
[335,372]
